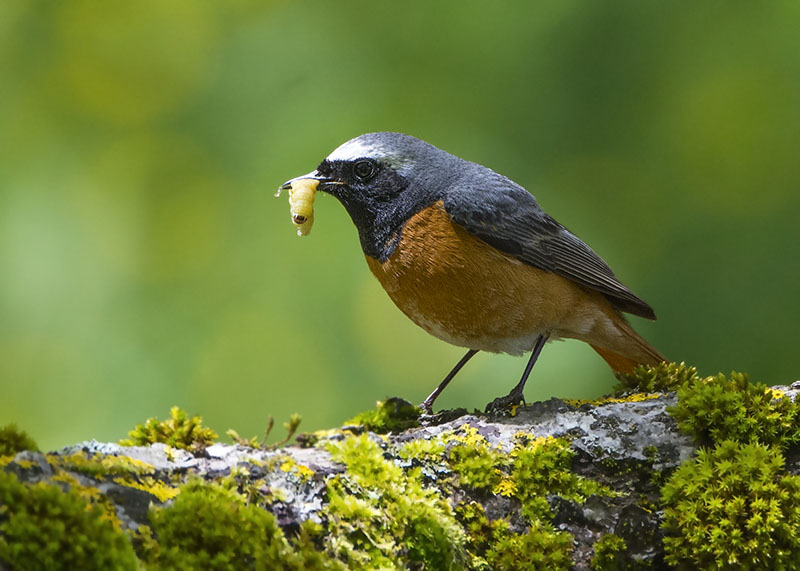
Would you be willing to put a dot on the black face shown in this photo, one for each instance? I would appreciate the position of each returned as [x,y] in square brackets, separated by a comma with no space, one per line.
[364,177]
[377,197]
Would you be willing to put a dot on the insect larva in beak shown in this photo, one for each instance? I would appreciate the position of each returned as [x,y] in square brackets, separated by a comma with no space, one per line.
[301,202]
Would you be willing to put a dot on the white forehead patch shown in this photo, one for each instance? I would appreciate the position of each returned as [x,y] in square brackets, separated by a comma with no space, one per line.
[354,149]
[360,149]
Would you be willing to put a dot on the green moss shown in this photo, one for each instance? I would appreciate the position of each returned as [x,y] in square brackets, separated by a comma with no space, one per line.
[252,442]
[383,517]
[391,415]
[608,552]
[13,440]
[535,468]
[657,378]
[212,527]
[422,449]
[541,547]
[482,534]
[145,545]
[290,425]
[732,408]
[477,464]
[43,527]
[491,545]
[734,507]
[179,431]
[308,554]
[542,466]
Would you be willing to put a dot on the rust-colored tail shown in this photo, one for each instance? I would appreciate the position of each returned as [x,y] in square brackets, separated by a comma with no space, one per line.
[632,352]
[621,364]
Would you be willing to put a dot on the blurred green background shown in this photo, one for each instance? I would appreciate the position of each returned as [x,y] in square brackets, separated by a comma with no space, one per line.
[144,261]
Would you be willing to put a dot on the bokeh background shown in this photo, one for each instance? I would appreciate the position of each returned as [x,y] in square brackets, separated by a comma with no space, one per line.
[144,261]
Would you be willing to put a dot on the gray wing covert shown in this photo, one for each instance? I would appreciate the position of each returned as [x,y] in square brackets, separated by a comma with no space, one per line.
[508,218]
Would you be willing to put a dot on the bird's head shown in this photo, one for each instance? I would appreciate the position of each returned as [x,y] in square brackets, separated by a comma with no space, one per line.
[383,179]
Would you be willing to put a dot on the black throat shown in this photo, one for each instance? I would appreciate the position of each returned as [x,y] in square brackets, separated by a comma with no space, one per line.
[381,209]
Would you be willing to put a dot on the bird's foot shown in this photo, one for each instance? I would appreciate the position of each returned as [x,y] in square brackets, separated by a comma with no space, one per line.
[503,404]
[441,417]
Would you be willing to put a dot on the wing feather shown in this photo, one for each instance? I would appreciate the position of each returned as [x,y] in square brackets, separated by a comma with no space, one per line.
[508,218]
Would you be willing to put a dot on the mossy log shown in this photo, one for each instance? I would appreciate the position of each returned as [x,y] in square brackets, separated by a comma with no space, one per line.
[610,484]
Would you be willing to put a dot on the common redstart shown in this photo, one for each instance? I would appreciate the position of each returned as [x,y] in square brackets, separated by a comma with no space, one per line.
[469,256]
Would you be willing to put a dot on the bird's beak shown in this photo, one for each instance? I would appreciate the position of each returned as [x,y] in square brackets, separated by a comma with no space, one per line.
[313,175]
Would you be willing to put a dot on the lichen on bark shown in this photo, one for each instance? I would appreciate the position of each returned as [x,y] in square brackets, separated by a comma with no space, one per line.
[607,484]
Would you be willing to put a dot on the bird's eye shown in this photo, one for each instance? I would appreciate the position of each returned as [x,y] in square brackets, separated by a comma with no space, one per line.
[364,169]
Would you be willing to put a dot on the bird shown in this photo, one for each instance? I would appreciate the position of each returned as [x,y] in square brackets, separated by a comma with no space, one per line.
[470,257]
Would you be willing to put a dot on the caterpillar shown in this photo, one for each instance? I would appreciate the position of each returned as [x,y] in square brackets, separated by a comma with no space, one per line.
[301,203]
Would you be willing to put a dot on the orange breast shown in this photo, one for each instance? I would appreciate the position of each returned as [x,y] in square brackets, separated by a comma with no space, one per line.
[470,294]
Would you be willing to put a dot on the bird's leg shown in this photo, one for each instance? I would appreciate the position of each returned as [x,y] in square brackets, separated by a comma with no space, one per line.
[516,396]
[427,404]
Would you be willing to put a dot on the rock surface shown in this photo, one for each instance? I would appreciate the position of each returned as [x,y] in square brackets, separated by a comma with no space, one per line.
[627,446]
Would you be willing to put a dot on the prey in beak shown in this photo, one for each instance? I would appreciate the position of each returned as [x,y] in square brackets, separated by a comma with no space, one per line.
[301,199]
[314,176]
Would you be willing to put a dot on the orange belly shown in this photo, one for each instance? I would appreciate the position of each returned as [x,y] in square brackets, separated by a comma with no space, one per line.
[465,292]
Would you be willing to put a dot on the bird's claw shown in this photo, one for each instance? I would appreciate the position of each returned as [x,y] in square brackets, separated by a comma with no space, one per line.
[502,404]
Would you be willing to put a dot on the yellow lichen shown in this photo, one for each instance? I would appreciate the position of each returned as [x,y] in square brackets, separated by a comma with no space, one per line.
[122,464]
[304,472]
[152,486]
[99,465]
[465,434]
[776,393]
[635,397]
[330,433]
[527,442]
[91,495]
[65,478]
[24,464]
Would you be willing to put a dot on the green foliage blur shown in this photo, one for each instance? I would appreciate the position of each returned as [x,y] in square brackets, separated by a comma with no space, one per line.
[144,262]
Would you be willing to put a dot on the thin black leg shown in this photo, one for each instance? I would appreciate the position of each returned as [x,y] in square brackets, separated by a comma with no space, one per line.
[427,404]
[516,396]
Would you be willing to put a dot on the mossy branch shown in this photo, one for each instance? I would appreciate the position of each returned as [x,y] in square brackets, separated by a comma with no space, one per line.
[694,477]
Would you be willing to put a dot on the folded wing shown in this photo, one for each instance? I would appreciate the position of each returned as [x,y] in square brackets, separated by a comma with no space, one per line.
[508,218]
